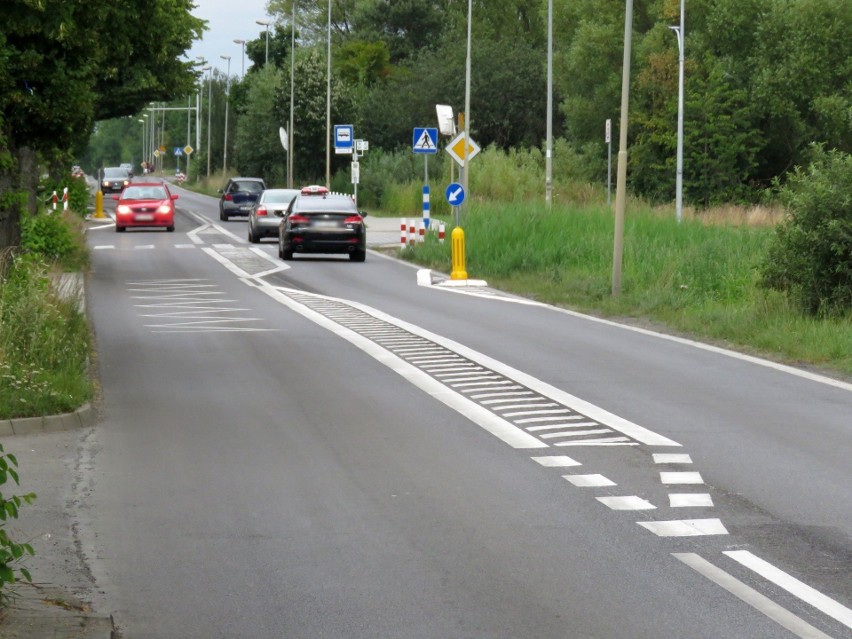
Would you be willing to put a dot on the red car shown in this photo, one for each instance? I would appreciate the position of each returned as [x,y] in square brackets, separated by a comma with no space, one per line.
[145,204]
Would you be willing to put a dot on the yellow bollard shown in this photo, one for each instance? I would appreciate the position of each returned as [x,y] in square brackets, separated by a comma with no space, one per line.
[99,204]
[457,237]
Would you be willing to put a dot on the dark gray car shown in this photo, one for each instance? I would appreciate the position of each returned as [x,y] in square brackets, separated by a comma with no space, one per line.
[267,212]
[239,195]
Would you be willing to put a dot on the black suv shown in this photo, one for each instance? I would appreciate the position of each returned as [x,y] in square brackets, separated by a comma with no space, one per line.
[239,195]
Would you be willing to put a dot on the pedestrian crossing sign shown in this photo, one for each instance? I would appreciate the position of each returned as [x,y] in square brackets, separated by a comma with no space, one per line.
[425,140]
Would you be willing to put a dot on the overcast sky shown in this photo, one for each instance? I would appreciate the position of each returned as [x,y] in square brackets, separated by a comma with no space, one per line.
[228,20]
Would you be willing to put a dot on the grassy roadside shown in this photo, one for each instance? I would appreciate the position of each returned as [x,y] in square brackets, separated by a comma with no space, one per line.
[696,279]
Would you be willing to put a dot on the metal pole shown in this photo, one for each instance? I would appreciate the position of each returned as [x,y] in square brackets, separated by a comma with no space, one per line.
[290,158]
[188,130]
[328,106]
[209,113]
[548,161]
[680,33]
[465,176]
[227,101]
[621,177]
[243,44]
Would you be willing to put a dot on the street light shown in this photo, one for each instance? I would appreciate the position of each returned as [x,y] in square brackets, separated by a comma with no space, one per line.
[143,137]
[265,23]
[328,106]
[227,100]
[292,68]
[199,102]
[243,44]
[680,33]
[209,112]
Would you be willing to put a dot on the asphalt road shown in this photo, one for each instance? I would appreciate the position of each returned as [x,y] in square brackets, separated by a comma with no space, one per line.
[327,449]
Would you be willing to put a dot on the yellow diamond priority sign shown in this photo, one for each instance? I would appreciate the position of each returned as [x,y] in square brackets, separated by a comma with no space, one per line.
[456,149]
[188,149]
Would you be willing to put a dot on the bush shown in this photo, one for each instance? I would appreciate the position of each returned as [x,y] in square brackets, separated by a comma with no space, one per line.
[811,257]
[11,552]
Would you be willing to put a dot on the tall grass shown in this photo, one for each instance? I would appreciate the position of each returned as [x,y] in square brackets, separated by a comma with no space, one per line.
[693,277]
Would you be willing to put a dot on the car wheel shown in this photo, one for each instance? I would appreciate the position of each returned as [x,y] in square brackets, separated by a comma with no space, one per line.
[252,237]
[287,254]
[358,256]
[170,229]
[223,216]
[120,229]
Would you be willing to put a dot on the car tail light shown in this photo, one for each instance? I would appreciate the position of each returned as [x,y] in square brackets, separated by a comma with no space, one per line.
[228,197]
[299,219]
[353,219]
[261,210]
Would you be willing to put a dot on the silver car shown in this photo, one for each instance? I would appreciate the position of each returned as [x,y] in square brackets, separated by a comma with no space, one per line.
[267,212]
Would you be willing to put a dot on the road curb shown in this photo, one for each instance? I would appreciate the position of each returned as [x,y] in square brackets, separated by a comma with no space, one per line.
[83,417]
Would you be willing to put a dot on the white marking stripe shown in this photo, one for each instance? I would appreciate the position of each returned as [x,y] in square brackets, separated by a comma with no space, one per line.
[681,478]
[533,429]
[792,585]
[759,602]
[603,441]
[685,527]
[104,246]
[589,481]
[690,500]
[488,402]
[577,433]
[556,461]
[533,420]
[484,385]
[144,247]
[557,411]
[501,394]
[626,503]
[669,458]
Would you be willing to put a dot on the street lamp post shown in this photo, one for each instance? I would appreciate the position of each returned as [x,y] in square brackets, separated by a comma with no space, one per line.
[227,100]
[199,101]
[265,23]
[328,104]
[209,112]
[680,33]
[292,69]
[548,159]
[243,44]
[143,137]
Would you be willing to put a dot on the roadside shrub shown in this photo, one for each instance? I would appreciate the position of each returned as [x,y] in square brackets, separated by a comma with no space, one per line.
[11,552]
[811,257]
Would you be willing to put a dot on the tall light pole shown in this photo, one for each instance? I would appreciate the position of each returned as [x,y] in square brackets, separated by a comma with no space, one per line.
[198,116]
[143,137]
[328,106]
[227,100]
[621,170]
[292,85]
[465,177]
[265,23]
[243,44]
[680,33]
[209,112]
[548,158]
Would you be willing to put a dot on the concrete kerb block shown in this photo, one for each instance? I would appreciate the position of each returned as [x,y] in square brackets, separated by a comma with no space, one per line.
[6,429]
[86,415]
[28,425]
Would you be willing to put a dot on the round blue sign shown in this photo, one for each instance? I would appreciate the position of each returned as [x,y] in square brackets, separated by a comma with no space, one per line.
[455,194]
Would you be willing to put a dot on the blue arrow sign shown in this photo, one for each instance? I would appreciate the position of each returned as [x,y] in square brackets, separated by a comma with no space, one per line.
[425,140]
[455,194]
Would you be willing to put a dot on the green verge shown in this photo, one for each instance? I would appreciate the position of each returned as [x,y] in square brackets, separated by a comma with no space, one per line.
[690,278]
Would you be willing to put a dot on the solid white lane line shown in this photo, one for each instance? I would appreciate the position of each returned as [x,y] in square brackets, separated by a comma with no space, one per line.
[809,595]
[556,461]
[759,602]
[690,500]
[685,527]
[589,481]
[671,458]
[681,478]
[631,502]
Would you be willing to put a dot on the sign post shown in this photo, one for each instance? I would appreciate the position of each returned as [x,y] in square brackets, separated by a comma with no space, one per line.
[425,142]
[608,140]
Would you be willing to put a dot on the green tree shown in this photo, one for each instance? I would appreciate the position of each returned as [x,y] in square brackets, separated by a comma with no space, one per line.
[257,148]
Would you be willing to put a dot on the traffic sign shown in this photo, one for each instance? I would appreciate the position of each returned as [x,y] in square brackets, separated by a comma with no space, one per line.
[188,150]
[425,140]
[282,135]
[455,194]
[456,149]
[344,138]
[356,172]
[178,151]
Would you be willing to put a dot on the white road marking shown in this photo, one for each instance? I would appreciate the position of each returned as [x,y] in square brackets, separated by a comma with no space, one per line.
[533,429]
[626,503]
[671,458]
[103,247]
[561,411]
[184,246]
[589,481]
[681,478]
[538,420]
[491,384]
[685,527]
[576,433]
[603,441]
[809,595]
[690,500]
[143,247]
[763,604]
[501,394]
[556,461]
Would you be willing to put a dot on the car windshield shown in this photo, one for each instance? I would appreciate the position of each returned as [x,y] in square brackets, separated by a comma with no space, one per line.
[249,187]
[314,204]
[115,172]
[279,197]
[144,193]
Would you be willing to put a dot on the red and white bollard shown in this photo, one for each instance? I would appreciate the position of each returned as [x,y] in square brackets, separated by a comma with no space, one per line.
[65,199]
[403,226]
[421,232]
[54,199]
[412,233]
[441,232]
